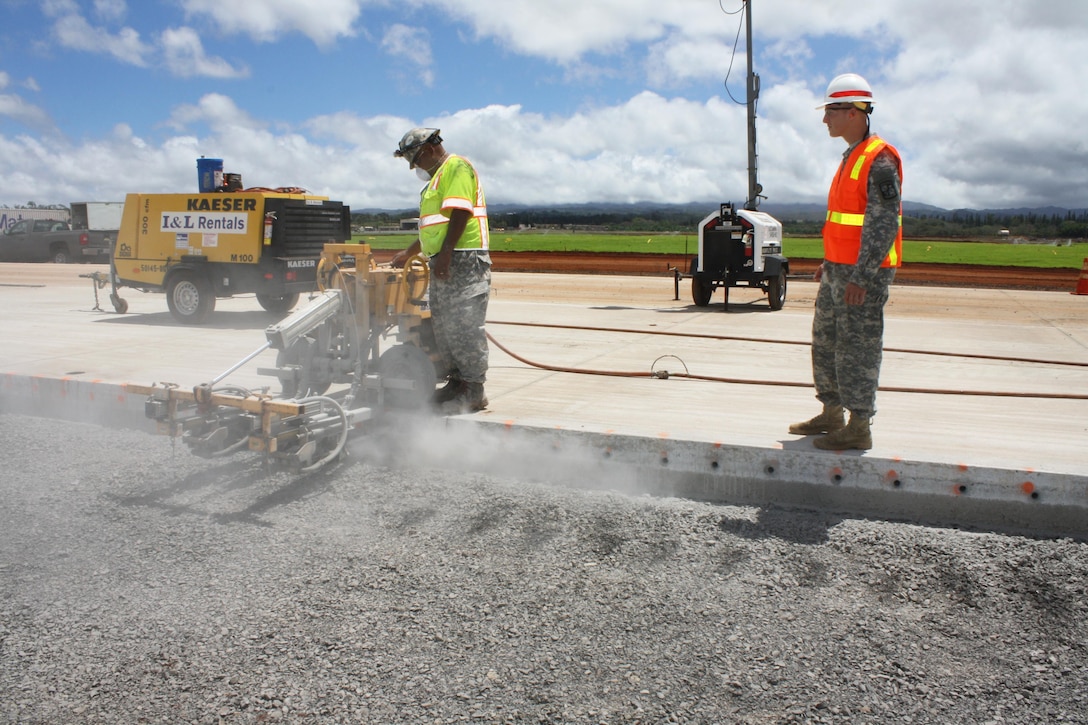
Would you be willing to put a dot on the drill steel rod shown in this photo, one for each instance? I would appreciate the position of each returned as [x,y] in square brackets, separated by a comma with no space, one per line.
[241,362]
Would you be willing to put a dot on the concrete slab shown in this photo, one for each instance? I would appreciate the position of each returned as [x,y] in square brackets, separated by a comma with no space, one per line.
[986,399]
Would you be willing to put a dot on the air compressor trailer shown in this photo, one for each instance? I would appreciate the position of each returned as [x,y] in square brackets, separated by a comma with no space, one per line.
[197,247]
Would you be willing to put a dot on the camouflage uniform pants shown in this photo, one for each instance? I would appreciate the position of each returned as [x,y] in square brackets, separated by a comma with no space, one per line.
[848,340]
[458,312]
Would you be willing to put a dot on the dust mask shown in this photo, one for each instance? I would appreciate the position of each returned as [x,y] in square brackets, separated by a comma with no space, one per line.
[422,174]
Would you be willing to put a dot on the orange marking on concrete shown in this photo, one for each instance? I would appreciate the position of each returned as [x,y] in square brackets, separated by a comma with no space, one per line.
[963,467]
[1027,487]
[835,473]
[891,476]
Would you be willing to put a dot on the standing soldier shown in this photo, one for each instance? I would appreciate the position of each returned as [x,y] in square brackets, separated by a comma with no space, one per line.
[863,238]
[453,233]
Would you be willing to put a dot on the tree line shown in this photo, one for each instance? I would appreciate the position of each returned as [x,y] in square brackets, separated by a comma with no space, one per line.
[917,224]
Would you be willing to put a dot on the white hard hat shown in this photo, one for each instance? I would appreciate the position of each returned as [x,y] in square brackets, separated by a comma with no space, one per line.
[848,88]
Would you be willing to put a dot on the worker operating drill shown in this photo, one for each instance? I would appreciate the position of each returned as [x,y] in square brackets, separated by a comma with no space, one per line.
[453,234]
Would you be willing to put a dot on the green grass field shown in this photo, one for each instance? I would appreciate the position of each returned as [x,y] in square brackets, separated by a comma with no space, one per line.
[941,252]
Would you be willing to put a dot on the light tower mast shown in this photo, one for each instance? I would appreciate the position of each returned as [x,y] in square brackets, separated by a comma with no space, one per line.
[752,83]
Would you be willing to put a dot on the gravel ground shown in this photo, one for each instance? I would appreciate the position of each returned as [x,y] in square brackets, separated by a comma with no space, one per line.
[143,584]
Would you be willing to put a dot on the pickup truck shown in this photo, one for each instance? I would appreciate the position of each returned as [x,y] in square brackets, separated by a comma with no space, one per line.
[48,240]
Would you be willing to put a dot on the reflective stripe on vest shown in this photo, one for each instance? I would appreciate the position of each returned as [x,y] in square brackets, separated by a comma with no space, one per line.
[846,202]
[870,147]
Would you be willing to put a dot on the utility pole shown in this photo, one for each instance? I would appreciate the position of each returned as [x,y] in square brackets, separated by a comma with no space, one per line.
[752,83]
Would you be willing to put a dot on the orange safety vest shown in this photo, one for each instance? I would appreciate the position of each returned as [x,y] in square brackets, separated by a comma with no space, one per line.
[846,204]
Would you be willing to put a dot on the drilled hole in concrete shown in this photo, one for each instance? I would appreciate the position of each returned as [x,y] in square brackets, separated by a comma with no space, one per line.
[962,488]
[714,465]
[770,469]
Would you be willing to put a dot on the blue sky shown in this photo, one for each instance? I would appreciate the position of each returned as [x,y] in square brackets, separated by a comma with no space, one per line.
[556,102]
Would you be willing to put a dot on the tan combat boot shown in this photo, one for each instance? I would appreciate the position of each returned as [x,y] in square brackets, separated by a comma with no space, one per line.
[828,421]
[855,435]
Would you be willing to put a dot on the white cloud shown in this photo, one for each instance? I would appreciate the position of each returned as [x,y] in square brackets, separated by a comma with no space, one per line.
[322,21]
[181,49]
[58,8]
[17,109]
[110,10]
[981,97]
[565,30]
[217,112]
[185,57]
[73,31]
[412,45]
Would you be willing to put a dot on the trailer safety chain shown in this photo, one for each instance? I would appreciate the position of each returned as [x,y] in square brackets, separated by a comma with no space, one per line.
[664,375]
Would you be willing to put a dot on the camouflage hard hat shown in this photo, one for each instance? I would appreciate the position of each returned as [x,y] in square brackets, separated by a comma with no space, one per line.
[413,141]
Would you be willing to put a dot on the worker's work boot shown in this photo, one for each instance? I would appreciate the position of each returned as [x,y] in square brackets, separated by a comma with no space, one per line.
[855,435]
[828,421]
[470,399]
[448,391]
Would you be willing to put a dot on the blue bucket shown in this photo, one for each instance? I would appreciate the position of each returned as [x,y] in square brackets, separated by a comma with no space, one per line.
[209,174]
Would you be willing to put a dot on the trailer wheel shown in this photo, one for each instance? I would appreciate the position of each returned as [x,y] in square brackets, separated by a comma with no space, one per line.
[279,304]
[120,305]
[776,291]
[701,290]
[190,298]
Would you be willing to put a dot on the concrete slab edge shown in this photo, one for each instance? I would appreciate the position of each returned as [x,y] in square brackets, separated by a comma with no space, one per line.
[1029,502]
[1025,502]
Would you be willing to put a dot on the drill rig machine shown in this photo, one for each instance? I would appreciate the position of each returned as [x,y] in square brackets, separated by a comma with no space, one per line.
[333,372]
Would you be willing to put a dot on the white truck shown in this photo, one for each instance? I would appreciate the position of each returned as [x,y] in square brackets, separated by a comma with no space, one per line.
[97,216]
